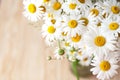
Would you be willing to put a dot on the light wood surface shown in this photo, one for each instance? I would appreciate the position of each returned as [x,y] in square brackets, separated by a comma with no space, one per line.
[23,52]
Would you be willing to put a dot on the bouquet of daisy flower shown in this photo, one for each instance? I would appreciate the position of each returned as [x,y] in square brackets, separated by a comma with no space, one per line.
[86,31]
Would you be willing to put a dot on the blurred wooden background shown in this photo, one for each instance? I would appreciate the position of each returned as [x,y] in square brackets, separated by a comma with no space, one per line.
[23,52]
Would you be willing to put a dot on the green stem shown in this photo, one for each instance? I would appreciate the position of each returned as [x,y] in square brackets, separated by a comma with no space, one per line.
[59,44]
[74,67]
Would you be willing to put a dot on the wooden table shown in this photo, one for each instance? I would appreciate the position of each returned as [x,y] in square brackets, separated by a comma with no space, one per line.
[23,52]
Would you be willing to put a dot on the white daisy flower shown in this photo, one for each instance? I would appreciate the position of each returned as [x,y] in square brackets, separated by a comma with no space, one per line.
[88,19]
[84,51]
[46,1]
[50,32]
[51,19]
[56,7]
[84,5]
[96,10]
[71,7]
[112,6]
[66,46]
[44,8]
[63,35]
[85,60]
[73,25]
[112,25]
[83,56]
[105,67]
[99,41]
[48,15]
[32,10]
[76,41]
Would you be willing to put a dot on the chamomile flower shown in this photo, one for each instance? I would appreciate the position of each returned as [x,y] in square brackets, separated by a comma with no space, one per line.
[99,41]
[88,20]
[56,7]
[112,6]
[84,51]
[46,2]
[32,10]
[112,25]
[50,32]
[73,25]
[105,67]
[96,10]
[85,60]
[63,35]
[71,7]
[44,8]
[84,4]
[76,41]
[52,19]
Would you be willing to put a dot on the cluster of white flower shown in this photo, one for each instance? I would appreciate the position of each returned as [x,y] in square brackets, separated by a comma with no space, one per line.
[83,30]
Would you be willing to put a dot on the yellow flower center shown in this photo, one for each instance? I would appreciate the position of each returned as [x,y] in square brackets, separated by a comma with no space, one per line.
[43,8]
[46,1]
[51,29]
[105,66]
[56,5]
[67,44]
[113,26]
[85,59]
[53,21]
[100,41]
[94,12]
[50,15]
[77,38]
[72,23]
[72,52]
[115,9]
[85,21]
[32,8]
[81,1]
[80,53]
[104,15]
[99,24]
[64,34]
[72,6]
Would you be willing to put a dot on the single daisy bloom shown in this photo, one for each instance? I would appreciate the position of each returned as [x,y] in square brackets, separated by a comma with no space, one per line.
[76,41]
[84,51]
[44,8]
[56,7]
[96,10]
[66,45]
[99,41]
[112,25]
[105,67]
[73,25]
[52,19]
[71,7]
[46,1]
[83,56]
[32,10]
[50,32]
[84,4]
[85,60]
[112,6]
[88,19]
